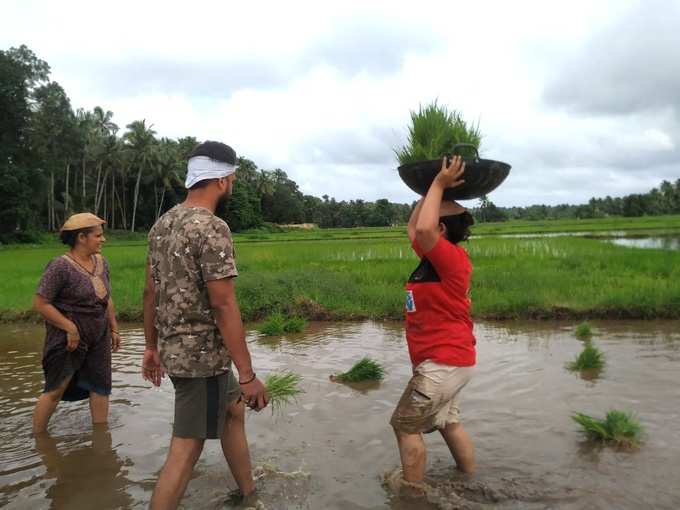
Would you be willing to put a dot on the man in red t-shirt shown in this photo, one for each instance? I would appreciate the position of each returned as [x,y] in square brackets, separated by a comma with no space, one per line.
[438,329]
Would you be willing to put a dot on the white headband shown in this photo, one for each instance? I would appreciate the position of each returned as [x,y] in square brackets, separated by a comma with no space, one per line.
[200,168]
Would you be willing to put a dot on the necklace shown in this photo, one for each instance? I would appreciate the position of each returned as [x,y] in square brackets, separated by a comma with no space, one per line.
[94,265]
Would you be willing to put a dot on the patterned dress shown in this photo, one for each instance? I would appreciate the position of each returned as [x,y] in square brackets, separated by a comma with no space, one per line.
[82,297]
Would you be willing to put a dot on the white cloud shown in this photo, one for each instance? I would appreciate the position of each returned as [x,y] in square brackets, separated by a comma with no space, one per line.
[323,90]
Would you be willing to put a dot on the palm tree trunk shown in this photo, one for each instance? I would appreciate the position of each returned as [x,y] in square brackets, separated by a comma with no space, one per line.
[160,206]
[84,199]
[66,194]
[113,200]
[52,218]
[102,188]
[134,205]
[96,189]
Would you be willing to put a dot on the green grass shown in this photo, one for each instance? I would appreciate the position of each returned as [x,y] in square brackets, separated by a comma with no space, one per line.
[283,389]
[590,358]
[618,428]
[583,331]
[277,324]
[356,278]
[364,370]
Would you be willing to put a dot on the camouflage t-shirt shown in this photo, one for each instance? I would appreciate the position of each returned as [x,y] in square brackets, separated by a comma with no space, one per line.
[189,246]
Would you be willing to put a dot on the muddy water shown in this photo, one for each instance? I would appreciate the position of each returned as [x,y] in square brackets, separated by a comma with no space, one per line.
[333,449]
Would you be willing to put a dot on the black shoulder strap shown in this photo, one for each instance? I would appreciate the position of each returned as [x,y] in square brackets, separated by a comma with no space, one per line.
[425,272]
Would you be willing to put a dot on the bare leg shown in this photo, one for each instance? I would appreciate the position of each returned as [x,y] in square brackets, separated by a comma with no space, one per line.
[235,448]
[175,475]
[46,405]
[460,445]
[413,456]
[99,408]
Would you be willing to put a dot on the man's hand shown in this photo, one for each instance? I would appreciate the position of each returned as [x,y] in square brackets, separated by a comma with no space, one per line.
[151,366]
[450,174]
[255,394]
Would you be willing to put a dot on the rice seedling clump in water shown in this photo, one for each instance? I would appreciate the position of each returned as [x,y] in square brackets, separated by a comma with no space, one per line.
[364,370]
[584,331]
[618,428]
[590,358]
[282,389]
[276,324]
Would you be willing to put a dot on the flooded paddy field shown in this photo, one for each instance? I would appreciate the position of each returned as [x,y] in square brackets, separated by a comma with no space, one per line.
[334,448]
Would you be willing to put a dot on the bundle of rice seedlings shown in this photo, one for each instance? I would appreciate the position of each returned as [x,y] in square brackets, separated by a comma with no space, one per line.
[590,358]
[618,428]
[282,389]
[277,324]
[364,370]
[433,132]
[583,331]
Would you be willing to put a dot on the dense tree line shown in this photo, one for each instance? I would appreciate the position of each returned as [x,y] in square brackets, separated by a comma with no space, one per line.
[55,160]
[662,200]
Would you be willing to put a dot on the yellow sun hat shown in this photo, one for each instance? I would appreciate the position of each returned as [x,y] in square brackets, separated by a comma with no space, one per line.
[82,220]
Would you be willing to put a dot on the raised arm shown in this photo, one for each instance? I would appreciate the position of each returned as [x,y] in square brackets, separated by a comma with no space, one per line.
[413,220]
[222,294]
[427,224]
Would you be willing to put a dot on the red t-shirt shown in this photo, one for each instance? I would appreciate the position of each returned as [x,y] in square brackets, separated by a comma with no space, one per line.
[438,323]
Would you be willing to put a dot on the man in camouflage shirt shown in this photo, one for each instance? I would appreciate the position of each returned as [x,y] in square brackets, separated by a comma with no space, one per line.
[193,328]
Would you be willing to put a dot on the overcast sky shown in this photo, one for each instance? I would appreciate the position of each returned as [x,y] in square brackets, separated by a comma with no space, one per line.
[582,98]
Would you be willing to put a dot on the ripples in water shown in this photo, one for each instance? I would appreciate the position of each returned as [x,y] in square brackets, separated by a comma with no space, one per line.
[331,450]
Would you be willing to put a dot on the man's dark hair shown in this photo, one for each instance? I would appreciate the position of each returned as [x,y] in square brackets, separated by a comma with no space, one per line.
[215,150]
[201,184]
[457,226]
[70,237]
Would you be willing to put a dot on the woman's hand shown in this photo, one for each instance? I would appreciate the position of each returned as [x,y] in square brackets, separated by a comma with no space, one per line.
[450,174]
[115,341]
[72,338]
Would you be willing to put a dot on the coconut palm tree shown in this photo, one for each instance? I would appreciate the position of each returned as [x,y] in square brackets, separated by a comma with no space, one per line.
[167,171]
[140,141]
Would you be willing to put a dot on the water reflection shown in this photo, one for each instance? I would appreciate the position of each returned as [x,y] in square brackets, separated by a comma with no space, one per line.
[91,470]
[658,243]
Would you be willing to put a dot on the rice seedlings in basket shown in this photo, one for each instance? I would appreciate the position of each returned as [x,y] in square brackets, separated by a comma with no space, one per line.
[433,132]
[618,428]
[590,358]
[283,389]
[364,370]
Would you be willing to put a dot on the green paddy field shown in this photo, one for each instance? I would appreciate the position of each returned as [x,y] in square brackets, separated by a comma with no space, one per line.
[360,273]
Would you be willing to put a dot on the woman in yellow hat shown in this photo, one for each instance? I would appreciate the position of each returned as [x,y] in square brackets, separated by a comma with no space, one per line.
[74,298]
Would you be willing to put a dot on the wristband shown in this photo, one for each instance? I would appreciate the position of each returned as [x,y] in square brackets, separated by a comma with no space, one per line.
[115,331]
[250,380]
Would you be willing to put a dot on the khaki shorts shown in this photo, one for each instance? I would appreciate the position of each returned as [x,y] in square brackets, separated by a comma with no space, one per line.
[430,401]
[201,404]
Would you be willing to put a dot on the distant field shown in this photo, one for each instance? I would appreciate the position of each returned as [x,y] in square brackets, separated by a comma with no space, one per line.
[648,224]
[360,274]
